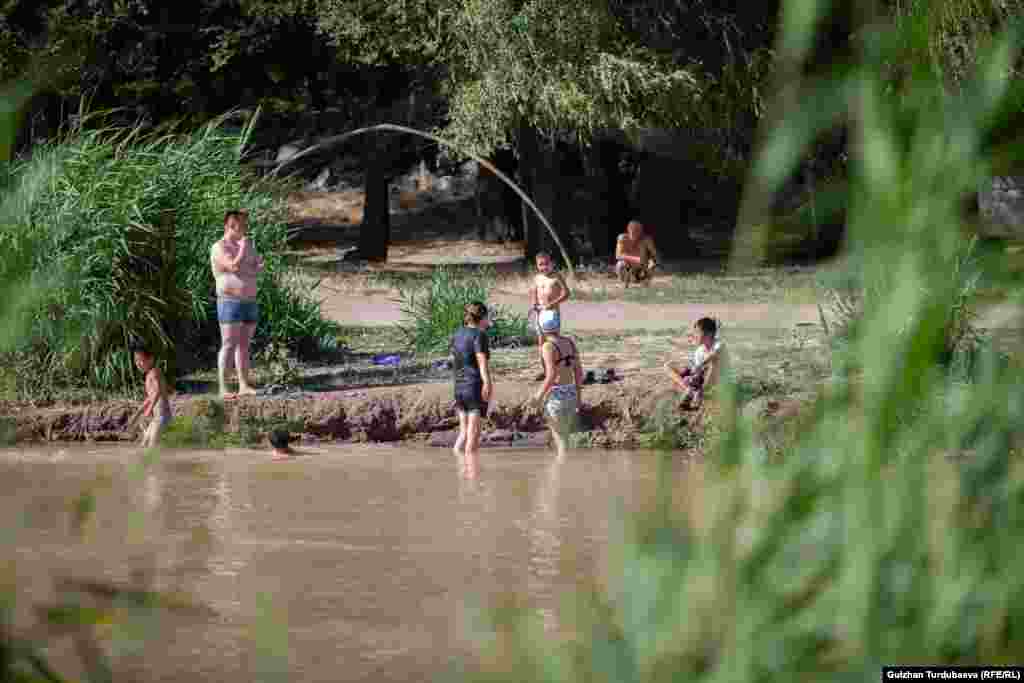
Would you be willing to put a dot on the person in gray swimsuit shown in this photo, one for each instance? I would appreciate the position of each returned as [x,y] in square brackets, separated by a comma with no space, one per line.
[563,380]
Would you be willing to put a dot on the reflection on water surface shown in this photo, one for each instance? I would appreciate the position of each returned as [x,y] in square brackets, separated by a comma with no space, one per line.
[376,558]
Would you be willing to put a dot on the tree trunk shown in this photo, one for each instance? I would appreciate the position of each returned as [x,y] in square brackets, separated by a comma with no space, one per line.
[663,207]
[510,215]
[499,216]
[528,147]
[375,231]
[610,205]
[539,177]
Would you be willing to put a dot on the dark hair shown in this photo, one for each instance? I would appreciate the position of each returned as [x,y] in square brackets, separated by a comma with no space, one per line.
[473,313]
[545,254]
[234,213]
[279,438]
[139,346]
[707,326]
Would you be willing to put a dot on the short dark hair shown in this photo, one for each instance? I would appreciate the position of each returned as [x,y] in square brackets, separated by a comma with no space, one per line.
[279,438]
[545,254]
[474,313]
[234,213]
[139,346]
[707,326]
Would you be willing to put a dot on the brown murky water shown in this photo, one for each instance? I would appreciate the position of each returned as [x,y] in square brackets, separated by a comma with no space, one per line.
[343,564]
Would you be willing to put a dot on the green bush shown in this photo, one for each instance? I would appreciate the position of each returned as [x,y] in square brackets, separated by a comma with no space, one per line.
[432,312]
[116,240]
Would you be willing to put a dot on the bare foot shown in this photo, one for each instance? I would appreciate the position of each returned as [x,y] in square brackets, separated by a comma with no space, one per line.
[246,390]
[280,456]
[228,396]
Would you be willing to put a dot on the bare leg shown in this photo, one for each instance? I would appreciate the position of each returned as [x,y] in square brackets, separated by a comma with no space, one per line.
[540,345]
[147,436]
[242,357]
[472,466]
[460,441]
[229,334]
[558,437]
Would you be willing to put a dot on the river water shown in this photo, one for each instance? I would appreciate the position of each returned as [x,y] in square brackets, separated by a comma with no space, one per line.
[350,563]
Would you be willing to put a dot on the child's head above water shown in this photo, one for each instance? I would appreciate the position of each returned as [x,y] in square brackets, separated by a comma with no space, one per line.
[279,439]
[143,355]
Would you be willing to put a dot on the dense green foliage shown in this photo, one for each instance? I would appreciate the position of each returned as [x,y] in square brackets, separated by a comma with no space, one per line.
[555,66]
[95,227]
[433,311]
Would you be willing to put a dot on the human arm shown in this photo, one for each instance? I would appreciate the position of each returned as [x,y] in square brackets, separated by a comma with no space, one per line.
[481,347]
[653,257]
[564,289]
[221,261]
[152,393]
[578,371]
[252,259]
[485,374]
[711,358]
[713,365]
[620,252]
[248,260]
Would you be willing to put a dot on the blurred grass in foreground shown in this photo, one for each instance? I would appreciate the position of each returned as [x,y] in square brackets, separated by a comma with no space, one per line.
[886,531]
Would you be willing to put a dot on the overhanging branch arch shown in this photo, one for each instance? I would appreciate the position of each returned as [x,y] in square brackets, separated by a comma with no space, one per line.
[395,128]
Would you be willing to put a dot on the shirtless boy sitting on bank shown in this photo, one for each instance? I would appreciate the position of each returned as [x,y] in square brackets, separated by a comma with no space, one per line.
[635,255]
[547,293]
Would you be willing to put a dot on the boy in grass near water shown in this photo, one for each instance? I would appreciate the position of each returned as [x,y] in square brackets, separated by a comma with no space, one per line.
[156,405]
[705,364]
[548,292]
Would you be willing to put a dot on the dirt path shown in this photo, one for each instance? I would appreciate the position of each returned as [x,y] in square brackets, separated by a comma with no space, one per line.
[606,315]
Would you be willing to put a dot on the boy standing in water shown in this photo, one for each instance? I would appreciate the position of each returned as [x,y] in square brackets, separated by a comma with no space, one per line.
[548,292]
[473,388]
[156,405]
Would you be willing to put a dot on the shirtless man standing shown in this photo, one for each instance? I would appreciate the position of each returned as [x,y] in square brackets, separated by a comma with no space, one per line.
[236,267]
[547,293]
[635,255]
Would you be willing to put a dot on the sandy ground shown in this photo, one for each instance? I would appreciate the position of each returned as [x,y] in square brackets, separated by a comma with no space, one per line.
[607,315]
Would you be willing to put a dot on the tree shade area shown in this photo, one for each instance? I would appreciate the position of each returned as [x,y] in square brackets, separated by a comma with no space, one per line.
[648,110]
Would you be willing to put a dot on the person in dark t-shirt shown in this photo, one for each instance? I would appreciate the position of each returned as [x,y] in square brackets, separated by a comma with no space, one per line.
[470,354]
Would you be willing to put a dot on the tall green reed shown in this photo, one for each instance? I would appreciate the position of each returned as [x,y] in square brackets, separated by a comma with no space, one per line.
[99,221]
[866,543]
[78,609]
[433,311]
